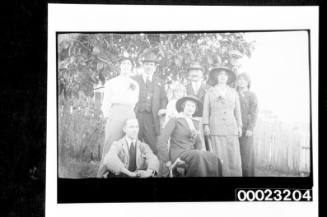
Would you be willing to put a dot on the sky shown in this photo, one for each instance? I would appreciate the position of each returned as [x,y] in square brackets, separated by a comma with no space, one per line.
[279,69]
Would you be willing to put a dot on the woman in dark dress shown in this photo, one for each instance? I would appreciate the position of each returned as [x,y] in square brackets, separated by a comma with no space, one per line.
[185,143]
[249,110]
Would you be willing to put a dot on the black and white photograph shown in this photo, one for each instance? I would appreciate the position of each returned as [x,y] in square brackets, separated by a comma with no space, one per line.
[147,105]
[203,109]
[162,108]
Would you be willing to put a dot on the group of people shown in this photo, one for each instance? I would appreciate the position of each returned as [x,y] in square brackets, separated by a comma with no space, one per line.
[207,129]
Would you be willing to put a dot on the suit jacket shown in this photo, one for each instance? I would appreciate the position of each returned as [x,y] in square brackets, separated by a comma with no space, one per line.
[159,98]
[201,92]
[222,113]
[118,157]
[179,133]
[249,110]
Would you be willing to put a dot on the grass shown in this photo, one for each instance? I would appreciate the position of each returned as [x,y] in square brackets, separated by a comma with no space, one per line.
[81,169]
[78,169]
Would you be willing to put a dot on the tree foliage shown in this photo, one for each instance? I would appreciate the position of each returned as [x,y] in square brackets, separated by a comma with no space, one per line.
[87,59]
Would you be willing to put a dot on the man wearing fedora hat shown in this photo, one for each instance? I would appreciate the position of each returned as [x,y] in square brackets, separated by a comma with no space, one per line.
[196,86]
[152,100]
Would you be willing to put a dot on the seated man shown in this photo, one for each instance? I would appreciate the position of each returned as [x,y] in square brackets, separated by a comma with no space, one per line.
[129,157]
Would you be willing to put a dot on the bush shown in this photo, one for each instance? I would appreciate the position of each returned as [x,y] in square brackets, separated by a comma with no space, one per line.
[81,129]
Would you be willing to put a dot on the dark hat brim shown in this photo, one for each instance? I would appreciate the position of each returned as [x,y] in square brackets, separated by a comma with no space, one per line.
[230,73]
[198,103]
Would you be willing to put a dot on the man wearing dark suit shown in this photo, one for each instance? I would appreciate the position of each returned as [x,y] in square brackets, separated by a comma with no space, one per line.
[152,101]
[196,86]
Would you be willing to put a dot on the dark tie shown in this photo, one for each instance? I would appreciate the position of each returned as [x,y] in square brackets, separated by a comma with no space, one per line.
[147,81]
[132,157]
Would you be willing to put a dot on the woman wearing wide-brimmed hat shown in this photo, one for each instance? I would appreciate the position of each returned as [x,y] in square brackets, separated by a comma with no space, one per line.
[120,96]
[222,119]
[185,143]
[249,111]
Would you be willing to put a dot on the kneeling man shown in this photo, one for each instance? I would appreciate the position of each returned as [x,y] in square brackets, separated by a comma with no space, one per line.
[129,157]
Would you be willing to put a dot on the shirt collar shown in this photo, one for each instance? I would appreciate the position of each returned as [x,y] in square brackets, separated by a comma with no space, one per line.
[129,141]
[189,121]
[196,85]
[145,77]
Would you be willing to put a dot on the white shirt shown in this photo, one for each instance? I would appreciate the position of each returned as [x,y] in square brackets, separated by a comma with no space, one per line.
[196,86]
[119,90]
[130,141]
[189,122]
[147,77]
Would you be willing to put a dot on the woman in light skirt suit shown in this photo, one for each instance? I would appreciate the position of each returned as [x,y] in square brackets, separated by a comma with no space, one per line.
[120,96]
[222,119]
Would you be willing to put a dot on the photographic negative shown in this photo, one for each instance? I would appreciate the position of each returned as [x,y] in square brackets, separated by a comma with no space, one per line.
[183,114]
[204,104]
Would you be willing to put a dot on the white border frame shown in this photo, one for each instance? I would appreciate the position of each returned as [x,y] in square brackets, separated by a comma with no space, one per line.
[68,17]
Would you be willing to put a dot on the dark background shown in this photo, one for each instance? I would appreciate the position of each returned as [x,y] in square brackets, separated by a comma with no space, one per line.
[23,56]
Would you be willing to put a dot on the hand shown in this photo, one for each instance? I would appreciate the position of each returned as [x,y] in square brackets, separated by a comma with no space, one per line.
[249,133]
[179,161]
[105,175]
[162,112]
[206,130]
[239,131]
[168,164]
[144,173]
[128,173]
[131,174]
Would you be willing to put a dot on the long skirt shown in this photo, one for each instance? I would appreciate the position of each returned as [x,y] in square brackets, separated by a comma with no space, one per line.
[119,113]
[247,155]
[201,164]
[227,148]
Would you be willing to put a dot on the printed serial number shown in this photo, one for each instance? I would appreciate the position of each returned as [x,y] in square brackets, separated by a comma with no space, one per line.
[273,195]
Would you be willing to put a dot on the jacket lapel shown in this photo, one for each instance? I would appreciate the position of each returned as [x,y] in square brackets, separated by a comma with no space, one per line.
[138,154]
[140,80]
[126,152]
[184,122]
[155,85]
[196,123]
[202,91]
[190,90]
